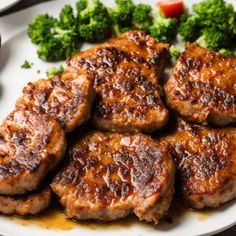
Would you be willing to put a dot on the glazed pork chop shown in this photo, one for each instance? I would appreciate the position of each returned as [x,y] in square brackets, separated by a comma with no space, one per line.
[109,176]
[31,145]
[206,163]
[202,87]
[66,97]
[126,71]
[29,204]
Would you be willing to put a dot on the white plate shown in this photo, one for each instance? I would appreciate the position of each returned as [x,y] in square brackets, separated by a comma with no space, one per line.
[15,49]
[4,4]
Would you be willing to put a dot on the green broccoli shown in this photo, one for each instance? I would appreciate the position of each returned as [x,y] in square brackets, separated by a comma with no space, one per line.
[54,70]
[213,39]
[189,28]
[128,16]
[93,20]
[142,18]
[95,31]
[121,16]
[57,39]
[164,29]
[213,25]
[174,52]
[67,18]
[227,52]
[122,13]
[217,14]
[39,30]
[26,65]
[81,5]
[119,29]
[64,44]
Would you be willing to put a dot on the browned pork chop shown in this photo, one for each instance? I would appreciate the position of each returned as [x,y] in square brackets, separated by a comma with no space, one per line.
[202,87]
[29,204]
[31,145]
[126,71]
[67,97]
[206,163]
[109,176]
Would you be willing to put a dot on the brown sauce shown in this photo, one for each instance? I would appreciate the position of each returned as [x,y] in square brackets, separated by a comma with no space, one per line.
[178,211]
[54,219]
[51,219]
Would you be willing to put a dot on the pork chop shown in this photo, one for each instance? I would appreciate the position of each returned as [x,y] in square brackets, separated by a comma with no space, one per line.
[31,145]
[206,163]
[29,204]
[126,72]
[66,97]
[202,87]
[109,176]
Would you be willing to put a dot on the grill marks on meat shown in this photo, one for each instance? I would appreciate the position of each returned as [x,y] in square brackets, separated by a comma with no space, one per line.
[29,204]
[203,86]
[66,97]
[31,145]
[109,176]
[126,73]
[206,163]
[32,138]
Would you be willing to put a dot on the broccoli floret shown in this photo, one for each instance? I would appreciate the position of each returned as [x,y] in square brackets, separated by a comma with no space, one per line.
[142,18]
[217,14]
[119,29]
[93,21]
[164,29]
[67,18]
[122,13]
[174,52]
[93,9]
[62,45]
[189,29]
[95,31]
[50,51]
[81,5]
[54,70]
[227,52]
[128,16]
[57,39]
[213,25]
[26,65]
[121,17]
[39,29]
[213,39]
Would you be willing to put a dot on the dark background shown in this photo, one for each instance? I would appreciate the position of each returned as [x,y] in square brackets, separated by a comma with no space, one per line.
[27,3]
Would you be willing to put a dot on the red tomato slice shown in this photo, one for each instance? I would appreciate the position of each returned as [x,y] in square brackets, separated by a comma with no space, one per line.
[171,8]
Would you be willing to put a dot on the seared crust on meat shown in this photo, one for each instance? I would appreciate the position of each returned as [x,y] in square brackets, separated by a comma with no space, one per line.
[66,97]
[126,71]
[202,87]
[109,176]
[31,145]
[206,163]
[29,204]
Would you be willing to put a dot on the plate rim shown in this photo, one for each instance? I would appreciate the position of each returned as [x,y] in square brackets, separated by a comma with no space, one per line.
[5,4]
